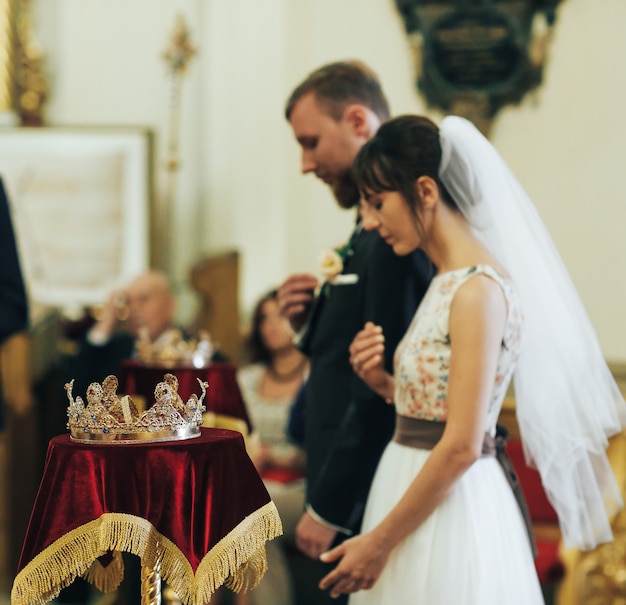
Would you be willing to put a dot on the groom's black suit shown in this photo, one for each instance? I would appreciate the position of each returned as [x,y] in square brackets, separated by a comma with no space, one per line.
[347,424]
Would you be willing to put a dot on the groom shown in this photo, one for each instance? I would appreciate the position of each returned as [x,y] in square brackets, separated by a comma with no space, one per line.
[333,113]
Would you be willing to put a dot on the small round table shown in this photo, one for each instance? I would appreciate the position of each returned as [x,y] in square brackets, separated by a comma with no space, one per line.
[196,512]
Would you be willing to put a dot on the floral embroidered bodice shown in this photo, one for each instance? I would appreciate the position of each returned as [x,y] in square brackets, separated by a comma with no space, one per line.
[422,359]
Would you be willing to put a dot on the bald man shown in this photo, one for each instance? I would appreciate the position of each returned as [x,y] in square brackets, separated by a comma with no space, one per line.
[146,307]
[149,303]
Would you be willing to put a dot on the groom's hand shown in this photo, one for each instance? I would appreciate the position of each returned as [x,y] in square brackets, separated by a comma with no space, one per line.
[313,538]
[295,296]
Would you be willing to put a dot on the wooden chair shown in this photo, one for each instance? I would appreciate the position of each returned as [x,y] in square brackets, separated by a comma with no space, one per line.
[216,281]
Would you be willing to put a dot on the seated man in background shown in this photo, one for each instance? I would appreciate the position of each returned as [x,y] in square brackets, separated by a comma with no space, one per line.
[134,320]
[145,309]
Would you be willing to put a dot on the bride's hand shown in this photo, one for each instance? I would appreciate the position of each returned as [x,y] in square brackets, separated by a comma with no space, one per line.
[361,560]
[367,356]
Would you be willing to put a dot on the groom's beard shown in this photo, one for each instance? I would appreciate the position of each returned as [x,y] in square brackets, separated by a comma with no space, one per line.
[345,191]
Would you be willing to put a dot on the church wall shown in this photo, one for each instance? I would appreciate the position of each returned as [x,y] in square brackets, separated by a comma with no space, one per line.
[239,183]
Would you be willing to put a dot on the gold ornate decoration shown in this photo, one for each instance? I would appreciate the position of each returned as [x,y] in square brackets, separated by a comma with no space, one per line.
[171,349]
[151,584]
[7,54]
[598,577]
[107,418]
[177,57]
[472,58]
[180,51]
[31,85]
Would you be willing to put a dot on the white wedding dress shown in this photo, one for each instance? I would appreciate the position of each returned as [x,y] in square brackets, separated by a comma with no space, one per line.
[473,549]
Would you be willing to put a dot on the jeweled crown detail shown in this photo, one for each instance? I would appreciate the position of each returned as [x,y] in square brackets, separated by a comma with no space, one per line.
[109,418]
[171,349]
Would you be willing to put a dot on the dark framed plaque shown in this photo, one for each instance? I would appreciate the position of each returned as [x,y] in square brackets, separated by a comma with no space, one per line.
[473,57]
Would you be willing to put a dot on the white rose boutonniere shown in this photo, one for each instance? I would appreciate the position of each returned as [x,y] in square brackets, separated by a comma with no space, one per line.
[331,264]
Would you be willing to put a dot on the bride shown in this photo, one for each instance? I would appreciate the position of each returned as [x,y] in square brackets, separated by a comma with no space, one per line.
[441,523]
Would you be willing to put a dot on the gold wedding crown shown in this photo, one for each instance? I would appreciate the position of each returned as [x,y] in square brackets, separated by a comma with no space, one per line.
[172,349]
[109,418]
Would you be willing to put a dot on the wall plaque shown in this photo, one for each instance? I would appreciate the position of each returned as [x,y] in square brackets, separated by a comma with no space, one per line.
[472,57]
[80,200]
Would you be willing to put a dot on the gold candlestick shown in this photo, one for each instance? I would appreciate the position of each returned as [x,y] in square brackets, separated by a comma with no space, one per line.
[7,55]
[151,585]
[177,57]
[31,80]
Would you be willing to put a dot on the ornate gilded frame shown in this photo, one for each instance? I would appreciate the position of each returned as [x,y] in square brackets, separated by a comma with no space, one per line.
[7,54]
[473,58]
[23,81]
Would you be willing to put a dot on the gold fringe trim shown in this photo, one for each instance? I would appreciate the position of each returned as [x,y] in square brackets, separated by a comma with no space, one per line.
[238,559]
[108,578]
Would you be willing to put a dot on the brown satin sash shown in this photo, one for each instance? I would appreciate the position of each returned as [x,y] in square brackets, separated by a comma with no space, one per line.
[425,434]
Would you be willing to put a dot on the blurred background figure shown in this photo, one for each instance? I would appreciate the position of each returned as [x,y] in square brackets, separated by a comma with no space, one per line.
[147,304]
[13,301]
[135,322]
[270,383]
[145,308]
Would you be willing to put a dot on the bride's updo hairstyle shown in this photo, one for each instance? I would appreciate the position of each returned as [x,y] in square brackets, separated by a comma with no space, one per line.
[404,149]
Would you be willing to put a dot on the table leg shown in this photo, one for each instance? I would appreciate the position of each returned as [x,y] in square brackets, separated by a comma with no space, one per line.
[150,585]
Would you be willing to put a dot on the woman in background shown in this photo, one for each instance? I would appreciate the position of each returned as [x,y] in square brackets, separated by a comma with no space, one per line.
[269,385]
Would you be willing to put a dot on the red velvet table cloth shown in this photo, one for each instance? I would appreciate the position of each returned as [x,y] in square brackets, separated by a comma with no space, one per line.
[197,508]
[223,396]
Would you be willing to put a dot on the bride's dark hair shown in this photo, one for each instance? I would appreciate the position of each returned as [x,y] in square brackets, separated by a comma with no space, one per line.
[404,149]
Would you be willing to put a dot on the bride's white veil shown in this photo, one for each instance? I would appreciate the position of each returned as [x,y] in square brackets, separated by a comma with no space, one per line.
[567,402]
